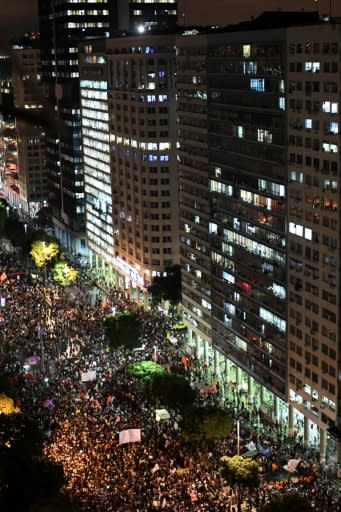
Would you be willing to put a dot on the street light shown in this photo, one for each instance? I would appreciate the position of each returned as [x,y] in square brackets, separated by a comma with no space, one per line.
[238,437]
[44,252]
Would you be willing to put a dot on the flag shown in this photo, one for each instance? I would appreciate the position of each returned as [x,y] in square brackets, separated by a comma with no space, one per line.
[132,435]
[109,400]
[251,446]
[292,465]
[209,389]
[88,376]
[117,419]
[184,361]
[105,303]
[3,277]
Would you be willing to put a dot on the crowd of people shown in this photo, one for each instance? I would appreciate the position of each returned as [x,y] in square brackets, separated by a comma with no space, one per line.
[52,339]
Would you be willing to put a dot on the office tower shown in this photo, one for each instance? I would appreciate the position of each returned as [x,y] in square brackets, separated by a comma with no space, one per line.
[62,29]
[130,167]
[6,90]
[7,119]
[269,93]
[29,93]
[152,16]
[192,113]
[313,322]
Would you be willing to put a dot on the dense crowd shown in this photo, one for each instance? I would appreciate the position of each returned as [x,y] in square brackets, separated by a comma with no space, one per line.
[52,337]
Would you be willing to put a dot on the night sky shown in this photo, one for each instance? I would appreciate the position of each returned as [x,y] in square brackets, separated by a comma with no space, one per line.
[19,16]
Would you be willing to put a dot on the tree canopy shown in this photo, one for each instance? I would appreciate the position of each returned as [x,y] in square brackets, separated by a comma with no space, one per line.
[27,482]
[63,274]
[167,286]
[145,371]
[289,501]
[122,330]
[210,423]
[42,252]
[173,390]
[43,217]
[241,474]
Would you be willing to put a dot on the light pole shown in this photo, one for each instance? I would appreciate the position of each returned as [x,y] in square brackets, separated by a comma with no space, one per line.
[238,437]
[44,252]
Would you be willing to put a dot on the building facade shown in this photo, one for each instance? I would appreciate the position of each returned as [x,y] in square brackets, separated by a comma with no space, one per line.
[63,26]
[129,136]
[260,284]
[29,93]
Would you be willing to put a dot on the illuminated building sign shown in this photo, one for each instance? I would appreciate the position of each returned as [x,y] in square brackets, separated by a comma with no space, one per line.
[128,270]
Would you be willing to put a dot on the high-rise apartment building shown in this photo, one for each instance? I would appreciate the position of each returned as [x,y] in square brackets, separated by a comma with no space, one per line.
[259,212]
[153,15]
[29,93]
[130,167]
[63,26]
[7,118]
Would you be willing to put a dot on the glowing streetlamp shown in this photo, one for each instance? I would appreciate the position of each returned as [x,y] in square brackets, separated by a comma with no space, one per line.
[44,252]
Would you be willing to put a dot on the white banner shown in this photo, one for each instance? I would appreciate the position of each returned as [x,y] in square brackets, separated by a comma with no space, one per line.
[292,465]
[161,414]
[132,435]
[88,376]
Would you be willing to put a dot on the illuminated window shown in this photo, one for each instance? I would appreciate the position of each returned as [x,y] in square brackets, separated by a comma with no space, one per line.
[333,127]
[314,67]
[330,148]
[257,84]
[264,136]
[239,131]
[281,103]
[247,50]
[250,68]
[330,107]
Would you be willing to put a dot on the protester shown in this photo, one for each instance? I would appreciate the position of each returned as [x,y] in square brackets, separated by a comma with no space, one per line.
[82,398]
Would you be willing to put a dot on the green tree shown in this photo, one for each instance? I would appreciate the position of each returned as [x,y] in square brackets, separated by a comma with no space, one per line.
[167,287]
[173,390]
[63,274]
[26,479]
[122,330]
[14,230]
[145,371]
[43,218]
[210,423]
[43,252]
[241,474]
[293,502]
